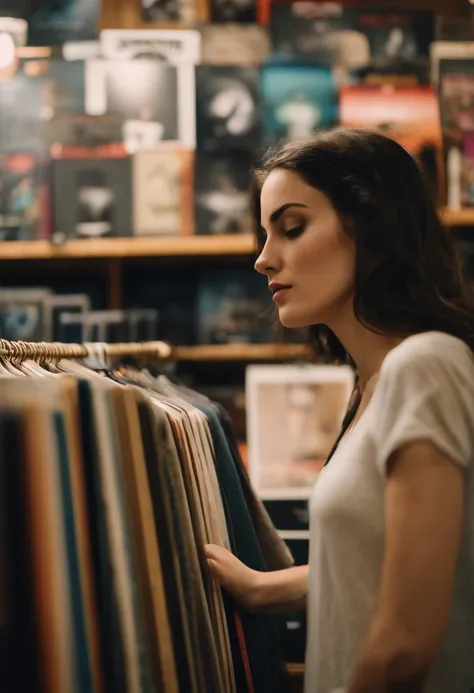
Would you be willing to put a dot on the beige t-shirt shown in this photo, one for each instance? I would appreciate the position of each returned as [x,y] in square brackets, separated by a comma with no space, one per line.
[425,391]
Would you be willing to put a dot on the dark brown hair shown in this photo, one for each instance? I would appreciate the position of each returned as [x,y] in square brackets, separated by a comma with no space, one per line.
[408,277]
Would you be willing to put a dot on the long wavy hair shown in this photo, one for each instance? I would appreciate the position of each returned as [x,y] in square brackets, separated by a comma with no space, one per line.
[408,277]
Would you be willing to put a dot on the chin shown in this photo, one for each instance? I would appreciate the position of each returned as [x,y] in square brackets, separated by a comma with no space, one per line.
[292,321]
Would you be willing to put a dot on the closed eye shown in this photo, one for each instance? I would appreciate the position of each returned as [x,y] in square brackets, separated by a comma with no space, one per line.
[295,231]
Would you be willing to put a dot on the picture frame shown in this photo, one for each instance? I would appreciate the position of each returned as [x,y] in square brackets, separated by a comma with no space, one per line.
[294,415]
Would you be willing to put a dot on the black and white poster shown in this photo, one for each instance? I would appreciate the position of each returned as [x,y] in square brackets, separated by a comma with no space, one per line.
[92,197]
[227,106]
[222,198]
[153,98]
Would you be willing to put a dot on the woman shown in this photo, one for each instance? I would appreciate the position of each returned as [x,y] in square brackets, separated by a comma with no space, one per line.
[353,247]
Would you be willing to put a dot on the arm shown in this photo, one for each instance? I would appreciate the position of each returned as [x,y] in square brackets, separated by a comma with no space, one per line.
[279,590]
[282,590]
[424,509]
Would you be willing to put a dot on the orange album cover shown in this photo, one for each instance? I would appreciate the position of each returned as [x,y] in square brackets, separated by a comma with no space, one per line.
[410,115]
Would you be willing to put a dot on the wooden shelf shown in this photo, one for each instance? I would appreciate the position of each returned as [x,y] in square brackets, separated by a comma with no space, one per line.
[165,246]
[461,217]
[169,246]
[295,669]
[241,352]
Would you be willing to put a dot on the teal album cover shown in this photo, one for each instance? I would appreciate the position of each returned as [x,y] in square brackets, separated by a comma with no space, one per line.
[296,101]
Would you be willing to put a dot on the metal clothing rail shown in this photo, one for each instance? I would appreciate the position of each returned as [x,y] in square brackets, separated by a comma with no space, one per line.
[21,351]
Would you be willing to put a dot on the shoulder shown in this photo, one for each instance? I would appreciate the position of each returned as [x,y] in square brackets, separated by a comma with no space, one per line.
[430,356]
[425,391]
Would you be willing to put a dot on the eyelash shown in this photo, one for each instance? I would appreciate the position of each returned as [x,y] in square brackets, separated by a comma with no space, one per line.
[295,232]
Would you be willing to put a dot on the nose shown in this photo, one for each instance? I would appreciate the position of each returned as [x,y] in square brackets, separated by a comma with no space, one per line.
[266,262]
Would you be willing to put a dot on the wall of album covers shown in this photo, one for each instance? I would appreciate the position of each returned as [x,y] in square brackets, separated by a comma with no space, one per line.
[153,132]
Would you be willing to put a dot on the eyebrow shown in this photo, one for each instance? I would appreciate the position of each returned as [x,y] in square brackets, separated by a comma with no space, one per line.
[274,216]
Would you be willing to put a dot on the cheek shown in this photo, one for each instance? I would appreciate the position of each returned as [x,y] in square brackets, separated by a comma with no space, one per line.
[324,279]
[328,263]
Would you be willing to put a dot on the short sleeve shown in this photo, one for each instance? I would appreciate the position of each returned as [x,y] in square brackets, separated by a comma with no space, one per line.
[425,391]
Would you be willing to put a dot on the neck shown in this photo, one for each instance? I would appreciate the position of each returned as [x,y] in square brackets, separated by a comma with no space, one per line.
[367,349]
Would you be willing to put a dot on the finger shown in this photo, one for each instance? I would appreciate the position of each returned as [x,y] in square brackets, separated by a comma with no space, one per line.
[210,550]
[215,551]
[213,568]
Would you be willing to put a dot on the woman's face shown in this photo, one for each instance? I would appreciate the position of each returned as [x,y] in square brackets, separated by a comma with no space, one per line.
[306,251]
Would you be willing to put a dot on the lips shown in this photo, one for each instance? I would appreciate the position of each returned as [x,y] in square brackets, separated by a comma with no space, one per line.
[275,287]
[278,290]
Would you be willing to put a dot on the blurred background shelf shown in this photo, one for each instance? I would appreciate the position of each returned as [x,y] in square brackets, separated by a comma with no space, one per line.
[461,217]
[295,669]
[241,352]
[169,246]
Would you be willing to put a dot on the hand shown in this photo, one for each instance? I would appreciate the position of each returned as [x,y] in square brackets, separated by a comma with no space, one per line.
[236,578]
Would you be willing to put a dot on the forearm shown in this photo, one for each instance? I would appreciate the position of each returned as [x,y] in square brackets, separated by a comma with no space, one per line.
[389,663]
[282,590]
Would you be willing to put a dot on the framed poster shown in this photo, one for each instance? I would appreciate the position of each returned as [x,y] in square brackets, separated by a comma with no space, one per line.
[153,97]
[294,415]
